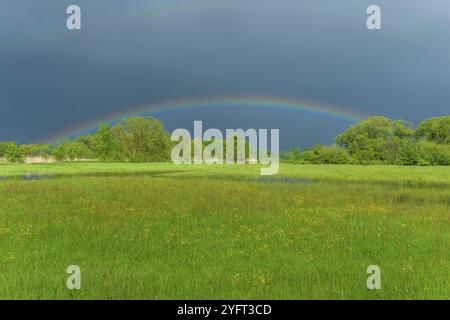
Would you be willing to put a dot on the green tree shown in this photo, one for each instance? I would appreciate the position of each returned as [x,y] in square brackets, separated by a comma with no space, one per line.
[293,155]
[59,152]
[104,142]
[326,155]
[435,154]
[4,146]
[120,148]
[89,141]
[376,139]
[136,139]
[13,152]
[145,140]
[77,150]
[435,130]
[36,150]
[409,153]
[72,150]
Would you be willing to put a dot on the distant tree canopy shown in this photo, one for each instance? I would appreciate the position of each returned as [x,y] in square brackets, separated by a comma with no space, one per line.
[376,140]
[12,152]
[435,130]
[139,140]
[382,140]
[134,140]
[72,150]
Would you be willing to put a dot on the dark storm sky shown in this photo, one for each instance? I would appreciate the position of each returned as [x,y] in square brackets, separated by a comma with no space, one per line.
[137,52]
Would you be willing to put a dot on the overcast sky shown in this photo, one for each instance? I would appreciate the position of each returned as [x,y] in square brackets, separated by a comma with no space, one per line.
[138,52]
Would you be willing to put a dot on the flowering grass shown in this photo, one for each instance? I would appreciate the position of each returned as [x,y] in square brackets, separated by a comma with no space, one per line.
[160,231]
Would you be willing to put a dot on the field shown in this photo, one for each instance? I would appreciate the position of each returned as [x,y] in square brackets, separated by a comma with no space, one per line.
[162,231]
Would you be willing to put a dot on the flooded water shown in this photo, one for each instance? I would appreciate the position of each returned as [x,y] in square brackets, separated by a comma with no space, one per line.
[289,180]
[33,176]
[36,176]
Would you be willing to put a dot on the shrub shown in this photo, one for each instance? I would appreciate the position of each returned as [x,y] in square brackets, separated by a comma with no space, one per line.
[72,150]
[435,130]
[327,155]
[409,154]
[294,155]
[14,153]
[375,140]
[433,154]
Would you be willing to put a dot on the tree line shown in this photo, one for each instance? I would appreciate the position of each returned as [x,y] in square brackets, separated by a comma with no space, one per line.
[380,140]
[376,140]
[135,139]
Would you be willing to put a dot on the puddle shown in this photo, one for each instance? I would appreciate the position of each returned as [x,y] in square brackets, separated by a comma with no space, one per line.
[288,180]
[35,176]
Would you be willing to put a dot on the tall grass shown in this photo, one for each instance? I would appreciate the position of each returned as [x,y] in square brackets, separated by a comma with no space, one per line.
[207,232]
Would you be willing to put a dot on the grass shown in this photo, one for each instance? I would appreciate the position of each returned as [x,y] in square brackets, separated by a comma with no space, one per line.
[161,231]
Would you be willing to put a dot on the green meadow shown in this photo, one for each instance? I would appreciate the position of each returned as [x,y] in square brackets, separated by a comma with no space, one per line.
[164,231]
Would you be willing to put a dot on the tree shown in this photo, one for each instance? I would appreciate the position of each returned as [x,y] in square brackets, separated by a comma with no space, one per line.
[326,155]
[89,141]
[435,154]
[410,154]
[72,150]
[103,142]
[59,152]
[143,140]
[13,152]
[120,149]
[4,146]
[293,155]
[77,150]
[136,139]
[36,150]
[376,139]
[435,130]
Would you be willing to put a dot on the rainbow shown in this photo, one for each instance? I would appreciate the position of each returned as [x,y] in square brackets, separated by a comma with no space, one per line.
[209,103]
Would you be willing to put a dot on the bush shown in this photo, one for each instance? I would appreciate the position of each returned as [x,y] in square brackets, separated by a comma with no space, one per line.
[135,140]
[375,140]
[36,150]
[3,147]
[294,155]
[409,154]
[72,150]
[77,150]
[424,153]
[433,154]
[327,155]
[435,130]
[59,153]
[14,153]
